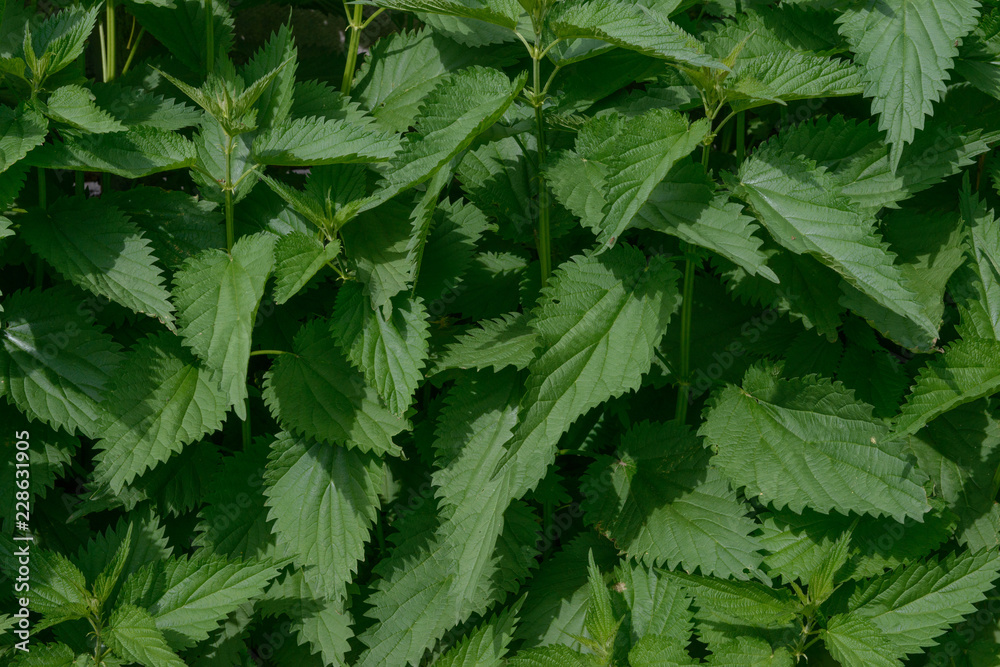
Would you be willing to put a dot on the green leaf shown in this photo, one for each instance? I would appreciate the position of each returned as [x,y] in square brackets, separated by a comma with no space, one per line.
[404,67]
[21,129]
[48,655]
[915,604]
[486,646]
[58,589]
[323,500]
[60,39]
[275,101]
[929,249]
[740,602]
[601,622]
[443,568]
[643,150]
[181,28]
[55,363]
[556,655]
[857,642]
[459,108]
[800,207]
[809,443]
[389,348]
[187,597]
[630,26]
[217,295]
[968,370]
[314,141]
[96,247]
[297,258]
[140,151]
[750,652]
[784,77]
[600,319]
[178,225]
[979,301]
[132,633]
[685,205]
[906,48]
[162,400]
[665,505]
[498,12]
[108,579]
[505,341]
[315,392]
[74,105]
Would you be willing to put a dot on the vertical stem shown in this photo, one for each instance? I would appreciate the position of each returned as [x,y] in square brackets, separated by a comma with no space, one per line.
[229,194]
[352,50]
[705,152]
[109,72]
[741,136]
[131,53]
[544,232]
[684,389]
[209,37]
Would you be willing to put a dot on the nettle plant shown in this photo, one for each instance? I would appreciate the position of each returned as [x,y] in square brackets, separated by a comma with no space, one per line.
[553,333]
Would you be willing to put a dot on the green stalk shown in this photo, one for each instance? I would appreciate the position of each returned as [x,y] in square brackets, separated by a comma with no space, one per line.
[352,49]
[544,231]
[112,64]
[209,37]
[229,194]
[131,53]
[684,381]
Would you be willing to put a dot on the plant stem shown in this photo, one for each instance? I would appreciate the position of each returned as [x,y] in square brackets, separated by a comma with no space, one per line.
[131,53]
[684,389]
[354,25]
[229,194]
[209,37]
[111,66]
[544,231]
[257,353]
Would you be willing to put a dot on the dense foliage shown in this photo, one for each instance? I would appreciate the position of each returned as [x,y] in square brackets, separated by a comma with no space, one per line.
[478,332]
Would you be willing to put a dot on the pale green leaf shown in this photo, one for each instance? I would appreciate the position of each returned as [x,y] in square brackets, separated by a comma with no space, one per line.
[217,295]
[297,258]
[132,633]
[135,153]
[809,443]
[315,392]
[323,500]
[56,365]
[74,105]
[390,348]
[906,49]
[666,506]
[968,370]
[97,247]
[162,400]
